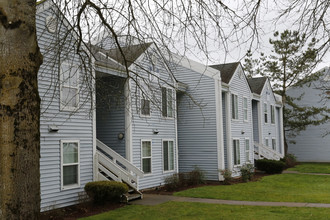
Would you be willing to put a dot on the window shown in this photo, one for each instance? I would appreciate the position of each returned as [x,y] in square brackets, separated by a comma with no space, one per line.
[167,102]
[274,144]
[237,159]
[267,142]
[247,150]
[146,156]
[168,155]
[234,106]
[245,109]
[272,114]
[69,97]
[70,163]
[265,113]
[145,107]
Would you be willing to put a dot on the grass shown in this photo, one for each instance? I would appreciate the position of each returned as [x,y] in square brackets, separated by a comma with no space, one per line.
[274,188]
[312,168]
[186,210]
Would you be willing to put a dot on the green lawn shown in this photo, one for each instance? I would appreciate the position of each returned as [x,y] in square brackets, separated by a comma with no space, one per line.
[312,168]
[274,188]
[186,210]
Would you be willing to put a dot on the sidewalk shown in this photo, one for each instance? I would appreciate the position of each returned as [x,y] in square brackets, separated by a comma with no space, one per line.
[320,174]
[155,199]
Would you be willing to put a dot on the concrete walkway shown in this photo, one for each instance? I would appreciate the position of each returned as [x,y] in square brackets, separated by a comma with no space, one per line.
[320,174]
[155,199]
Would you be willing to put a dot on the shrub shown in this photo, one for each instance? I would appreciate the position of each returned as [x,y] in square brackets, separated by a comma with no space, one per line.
[178,180]
[270,166]
[195,177]
[226,175]
[105,191]
[172,182]
[247,172]
[290,160]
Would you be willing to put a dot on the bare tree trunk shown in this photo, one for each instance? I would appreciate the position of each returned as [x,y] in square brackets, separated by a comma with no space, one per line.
[20,59]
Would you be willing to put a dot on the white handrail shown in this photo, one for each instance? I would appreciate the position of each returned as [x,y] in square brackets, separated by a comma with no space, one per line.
[116,157]
[267,152]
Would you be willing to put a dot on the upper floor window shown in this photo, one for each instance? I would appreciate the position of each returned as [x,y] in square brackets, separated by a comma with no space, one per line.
[272,114]
[145,106]
[69,96]
[265,113]
[245,109]
[167,102]
[234,106]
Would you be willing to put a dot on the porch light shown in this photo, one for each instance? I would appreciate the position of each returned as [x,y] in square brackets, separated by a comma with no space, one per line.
[242,132]
[121,136]
[155,131]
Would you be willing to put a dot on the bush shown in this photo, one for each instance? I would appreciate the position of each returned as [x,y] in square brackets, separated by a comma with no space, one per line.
[270,166]
[247,172]
[178,180]
[105,191]
[226,175]
[172,182]
[290,160]
[195,177]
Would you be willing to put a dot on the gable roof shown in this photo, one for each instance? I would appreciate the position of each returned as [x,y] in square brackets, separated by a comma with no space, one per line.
[131,53]
[102,59]
[257,84]
[227,70]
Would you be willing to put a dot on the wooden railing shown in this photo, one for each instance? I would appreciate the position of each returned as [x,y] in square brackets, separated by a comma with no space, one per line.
[262,151]
[111,165]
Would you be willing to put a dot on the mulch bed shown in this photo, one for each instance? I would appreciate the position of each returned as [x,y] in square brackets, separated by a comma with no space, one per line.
[79,211]
[89,209]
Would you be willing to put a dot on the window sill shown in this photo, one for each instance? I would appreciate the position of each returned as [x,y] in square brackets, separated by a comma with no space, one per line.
[68,187]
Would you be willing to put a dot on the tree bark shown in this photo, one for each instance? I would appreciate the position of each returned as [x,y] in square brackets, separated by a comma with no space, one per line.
[20,59]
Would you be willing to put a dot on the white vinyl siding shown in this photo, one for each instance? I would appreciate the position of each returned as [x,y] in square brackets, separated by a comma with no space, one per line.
[69,96]
[245,109]
[265,113]
[168,155]
[234,106]
[146,156]
[272,114]
[70,164]
[236,152]
[167,102]
[247,151]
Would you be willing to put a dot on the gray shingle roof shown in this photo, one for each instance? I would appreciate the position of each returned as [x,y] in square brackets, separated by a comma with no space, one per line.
[257,84]
[227,70]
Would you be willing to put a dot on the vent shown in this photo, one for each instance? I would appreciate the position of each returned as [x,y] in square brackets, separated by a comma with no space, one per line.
[51,24]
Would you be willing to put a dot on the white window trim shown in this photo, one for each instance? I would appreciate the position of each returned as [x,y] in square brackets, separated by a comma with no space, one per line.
[249,151]
[168,171]
[167,106]
[247,109]
[62,106]
[267,140]
[231,104]
[265,112]
[274,139]
[272,114]
[239,149]
[140,104]
[74,186]
[145,140]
